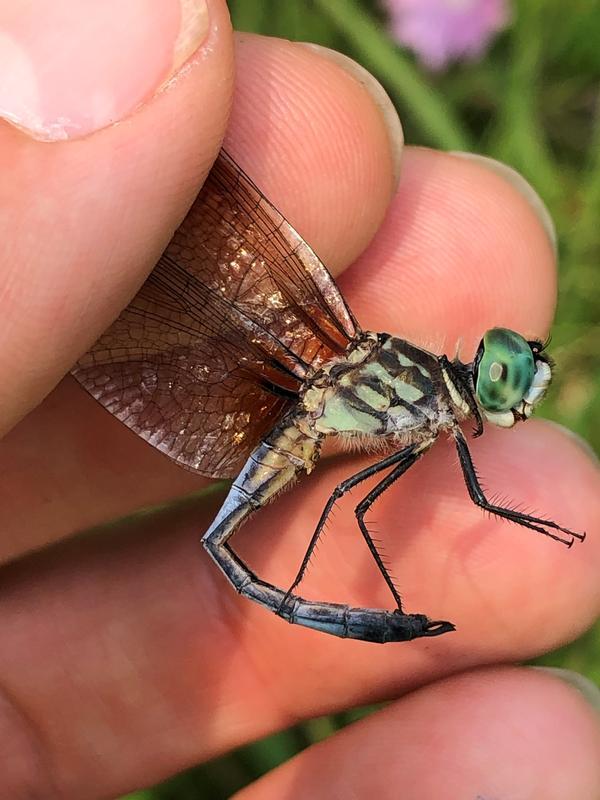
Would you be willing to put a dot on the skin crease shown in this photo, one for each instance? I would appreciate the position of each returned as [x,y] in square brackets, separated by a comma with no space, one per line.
[125,655]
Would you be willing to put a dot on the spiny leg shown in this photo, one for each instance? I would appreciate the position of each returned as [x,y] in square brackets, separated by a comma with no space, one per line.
[365,624]
[409,456]
[340,490]
[479,498]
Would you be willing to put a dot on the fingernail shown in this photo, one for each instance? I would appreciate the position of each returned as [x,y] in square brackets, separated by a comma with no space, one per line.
[589,690]
[378,94]
[70,67]
[518,182]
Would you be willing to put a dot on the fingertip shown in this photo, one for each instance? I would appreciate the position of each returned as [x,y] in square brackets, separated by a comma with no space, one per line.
[460,251]
[543,594]
[518,182]
[313,137]
[481,734]
[379,96]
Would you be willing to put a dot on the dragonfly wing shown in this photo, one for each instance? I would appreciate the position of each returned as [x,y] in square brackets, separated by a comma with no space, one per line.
[213,348]
[209,428]
[238,244]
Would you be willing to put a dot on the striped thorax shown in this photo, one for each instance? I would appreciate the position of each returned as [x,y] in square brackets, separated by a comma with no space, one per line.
[384,387]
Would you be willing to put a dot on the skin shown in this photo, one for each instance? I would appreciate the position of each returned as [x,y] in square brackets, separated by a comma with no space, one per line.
[125,656]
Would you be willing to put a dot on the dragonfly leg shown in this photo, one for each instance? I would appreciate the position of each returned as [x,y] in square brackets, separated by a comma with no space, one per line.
[407,458]
[544,526]
[366,624]
[373,625]
[340,490]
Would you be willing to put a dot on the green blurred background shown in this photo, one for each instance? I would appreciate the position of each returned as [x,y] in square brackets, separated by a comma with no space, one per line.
[533,102]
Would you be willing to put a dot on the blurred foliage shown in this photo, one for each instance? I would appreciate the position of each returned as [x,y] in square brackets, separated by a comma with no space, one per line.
[532,102]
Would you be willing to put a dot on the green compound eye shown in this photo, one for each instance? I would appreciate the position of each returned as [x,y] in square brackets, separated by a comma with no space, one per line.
[505,369]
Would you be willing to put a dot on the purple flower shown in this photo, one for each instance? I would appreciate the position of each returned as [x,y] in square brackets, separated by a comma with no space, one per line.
[440,31]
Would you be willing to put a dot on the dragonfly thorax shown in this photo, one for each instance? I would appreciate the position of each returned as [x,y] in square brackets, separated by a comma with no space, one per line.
[382,387]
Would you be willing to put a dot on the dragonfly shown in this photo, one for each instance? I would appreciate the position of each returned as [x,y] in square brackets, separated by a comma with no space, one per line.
[239,357]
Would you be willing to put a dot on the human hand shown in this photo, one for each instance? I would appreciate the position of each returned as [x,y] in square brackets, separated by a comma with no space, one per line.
[125,655]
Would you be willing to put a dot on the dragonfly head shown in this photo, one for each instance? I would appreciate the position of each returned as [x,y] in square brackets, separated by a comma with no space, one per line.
[510,375]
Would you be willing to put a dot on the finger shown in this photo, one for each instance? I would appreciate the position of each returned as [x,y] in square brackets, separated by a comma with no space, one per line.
[328,126]
[451,561]
[487,734]
[143,614]
[423,258]
[321,138]
[115,575]
[464,247]
[89,216]
[88,470]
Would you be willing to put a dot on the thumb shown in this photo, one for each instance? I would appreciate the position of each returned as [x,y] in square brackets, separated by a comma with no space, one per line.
[114,111]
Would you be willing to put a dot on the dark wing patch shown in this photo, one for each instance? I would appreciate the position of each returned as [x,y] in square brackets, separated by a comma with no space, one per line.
[212,350]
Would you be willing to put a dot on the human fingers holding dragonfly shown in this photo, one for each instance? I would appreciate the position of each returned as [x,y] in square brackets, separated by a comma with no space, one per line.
[134,627]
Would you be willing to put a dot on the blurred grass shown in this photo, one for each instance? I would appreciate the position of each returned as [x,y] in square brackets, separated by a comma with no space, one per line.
[532,102]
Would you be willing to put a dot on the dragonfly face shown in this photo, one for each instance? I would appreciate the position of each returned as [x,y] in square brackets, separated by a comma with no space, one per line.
[511,376]
[239,355]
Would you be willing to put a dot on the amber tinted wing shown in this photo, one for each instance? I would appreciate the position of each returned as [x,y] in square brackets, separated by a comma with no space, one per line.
[213,348]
